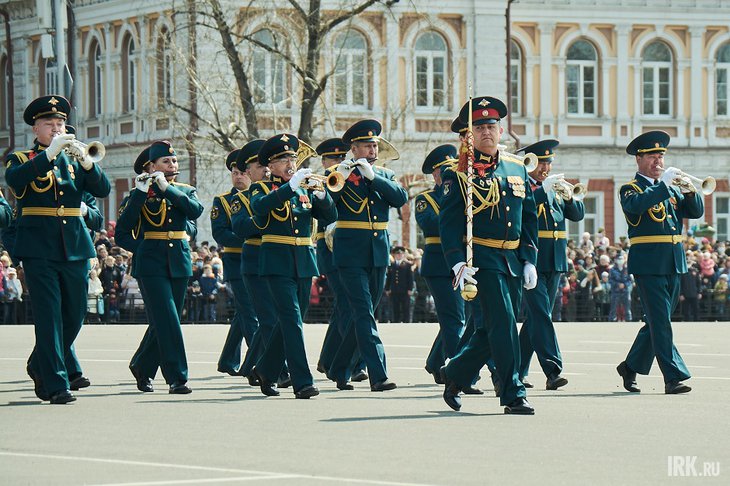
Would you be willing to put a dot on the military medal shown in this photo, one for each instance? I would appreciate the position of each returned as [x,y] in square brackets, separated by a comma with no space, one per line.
[304,199]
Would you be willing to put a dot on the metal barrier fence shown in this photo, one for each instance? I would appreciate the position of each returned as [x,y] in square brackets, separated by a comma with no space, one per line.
[130,310]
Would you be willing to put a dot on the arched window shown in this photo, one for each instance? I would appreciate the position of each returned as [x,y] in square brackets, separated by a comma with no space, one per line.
[268,70]
[515,76]
[656,71]
[722,83]
[95,87]
[129,75]
[51,77]
[4,94]
[580,75]
[351,70]
[164,67]
[431,71]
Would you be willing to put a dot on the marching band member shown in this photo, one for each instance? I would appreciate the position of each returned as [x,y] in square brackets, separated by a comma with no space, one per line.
[505,251]
[361,248]
[538,333]
[244,322]
[448,301]
[158,212]
[245,227]
[52,240]
[286,259]
[655,209]
[333,151]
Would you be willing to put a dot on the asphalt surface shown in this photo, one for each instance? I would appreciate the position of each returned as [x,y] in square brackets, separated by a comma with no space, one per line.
[589,432]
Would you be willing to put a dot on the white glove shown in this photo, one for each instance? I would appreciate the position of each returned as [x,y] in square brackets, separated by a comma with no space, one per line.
[529,272]
[320,194]
[345,168]
[59,143]
[669,175]
[86,163]
[84,209]
[161,180]
[549,185]
[142,182]
[464,274]
[365,169]
[298,177]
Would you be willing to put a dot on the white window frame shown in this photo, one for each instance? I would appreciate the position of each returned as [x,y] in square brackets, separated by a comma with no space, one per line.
[720,67]
[582,65]
[130,74]
[656,68]
[430,56]
[164,68]
[717,216]
[50,71]
[95,108]
[516,79]
[598,218]
[346,57]
[263,59]
[5,102]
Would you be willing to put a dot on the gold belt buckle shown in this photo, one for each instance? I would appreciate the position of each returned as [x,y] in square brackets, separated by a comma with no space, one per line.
[555,234]
[170,235]
[60,211]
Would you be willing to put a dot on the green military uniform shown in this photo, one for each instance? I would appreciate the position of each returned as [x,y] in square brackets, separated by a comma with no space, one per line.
[654,212]
[504,242]
[361,254]
[162,266]
[54,245]
[245,227]
[287,263]
[538,333]
[244,322]
[448,301]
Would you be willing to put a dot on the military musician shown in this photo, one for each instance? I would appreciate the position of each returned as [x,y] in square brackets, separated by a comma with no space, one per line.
[361,248]
[655,203]
[158,212]
[538,333]
[49,181]
[244,322]
[505,253]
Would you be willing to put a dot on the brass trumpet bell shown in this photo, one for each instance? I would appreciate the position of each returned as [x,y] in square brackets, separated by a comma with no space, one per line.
[304,152]
[93,151]
[335,181]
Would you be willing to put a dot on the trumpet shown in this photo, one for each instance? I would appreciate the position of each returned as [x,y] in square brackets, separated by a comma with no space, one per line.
[568,191]
[529,159]
[333,182]
[686,181]
[78,150]
[146,177]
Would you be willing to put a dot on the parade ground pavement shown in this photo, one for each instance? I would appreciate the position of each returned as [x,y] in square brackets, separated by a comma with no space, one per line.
[589,432]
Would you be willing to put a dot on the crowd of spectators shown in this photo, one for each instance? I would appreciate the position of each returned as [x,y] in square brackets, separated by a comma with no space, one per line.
[597,286]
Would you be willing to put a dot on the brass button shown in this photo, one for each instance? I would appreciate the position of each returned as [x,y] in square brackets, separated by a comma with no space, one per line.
[169,220]
[375,217]
[509,224]
[170,234]
[295,218]
[555,224]
[504,193]
[375,233]
[296,231]
[65,222]
[507,208]
[60,193]
[170,245]
[668,215]
[60,211]
[372,202]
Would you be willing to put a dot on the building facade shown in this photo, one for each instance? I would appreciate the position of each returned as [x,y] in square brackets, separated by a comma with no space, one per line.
[138,68]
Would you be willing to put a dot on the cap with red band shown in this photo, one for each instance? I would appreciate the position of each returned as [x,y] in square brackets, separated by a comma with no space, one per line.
[484,110]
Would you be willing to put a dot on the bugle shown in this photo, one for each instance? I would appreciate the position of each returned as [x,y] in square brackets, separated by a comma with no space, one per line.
[93,151]
[333,182]
[686,181]
[529,159]
[568,191]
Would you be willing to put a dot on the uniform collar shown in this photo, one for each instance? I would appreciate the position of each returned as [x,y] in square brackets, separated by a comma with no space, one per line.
[647,180]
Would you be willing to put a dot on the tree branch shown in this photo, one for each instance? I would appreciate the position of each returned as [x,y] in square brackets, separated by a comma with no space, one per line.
[354,12]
